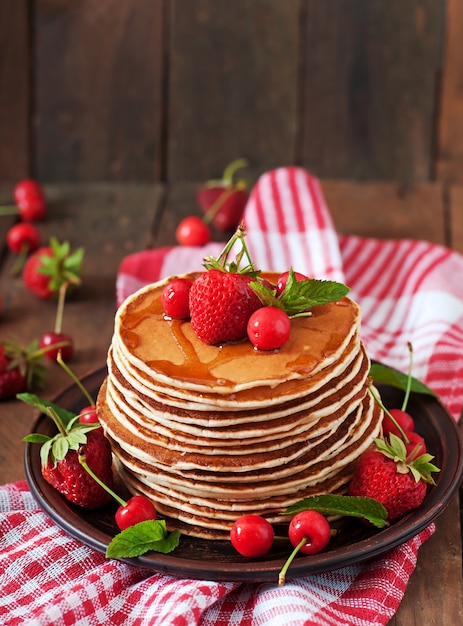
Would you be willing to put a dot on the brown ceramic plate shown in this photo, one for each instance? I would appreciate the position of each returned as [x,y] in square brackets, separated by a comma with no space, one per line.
[217,560]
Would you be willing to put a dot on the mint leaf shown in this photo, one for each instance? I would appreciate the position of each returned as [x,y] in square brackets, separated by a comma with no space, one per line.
[141,538]
[301,295]
[353,506]
[388,376]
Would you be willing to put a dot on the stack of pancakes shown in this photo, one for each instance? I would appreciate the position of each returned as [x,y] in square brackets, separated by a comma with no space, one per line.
[211,433]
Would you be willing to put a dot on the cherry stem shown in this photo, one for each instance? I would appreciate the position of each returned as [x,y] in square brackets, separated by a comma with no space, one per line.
[231,169]
[17,265]
[388,413]
[284,569]
[60,307]
[409,380]
[68,370]
[215,206]
[83,462]
[9,209]
[56,419]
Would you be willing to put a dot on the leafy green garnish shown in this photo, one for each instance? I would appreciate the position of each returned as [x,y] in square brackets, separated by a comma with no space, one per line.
[299,296]
[352,506]
[143,537]
[389,376]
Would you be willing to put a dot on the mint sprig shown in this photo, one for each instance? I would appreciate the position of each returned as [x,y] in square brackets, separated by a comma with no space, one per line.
[351,506]
[299,296]
[150,535]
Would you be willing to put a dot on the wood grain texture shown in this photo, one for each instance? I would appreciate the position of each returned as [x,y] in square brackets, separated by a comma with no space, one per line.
[369,83]
[15,113]
[233,85]
[449,158]
[99,90]
[387,211]
[435,590]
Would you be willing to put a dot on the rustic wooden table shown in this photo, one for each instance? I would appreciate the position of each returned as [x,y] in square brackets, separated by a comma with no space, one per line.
[110,221]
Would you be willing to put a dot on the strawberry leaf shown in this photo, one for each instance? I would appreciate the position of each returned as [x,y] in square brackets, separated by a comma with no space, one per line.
[384,374]
[43,406]
[353,506]
[143,537]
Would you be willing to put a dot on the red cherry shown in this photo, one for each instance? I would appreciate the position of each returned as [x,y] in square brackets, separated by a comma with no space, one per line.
[312,527]
[416,445]
[404,420]
[174,298]
[23,238]
[283,279]
[137,509]
[29,197]
[252,536]
[192,231]
[269,328]
[49,340]
[88,415]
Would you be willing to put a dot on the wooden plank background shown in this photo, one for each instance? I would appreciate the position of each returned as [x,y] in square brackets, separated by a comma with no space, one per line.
[172,90]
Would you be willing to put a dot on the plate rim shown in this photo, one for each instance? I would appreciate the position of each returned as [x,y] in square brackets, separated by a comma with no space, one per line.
[260,570]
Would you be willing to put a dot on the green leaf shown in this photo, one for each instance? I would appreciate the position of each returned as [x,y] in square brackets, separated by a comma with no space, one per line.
[45,452]
[60,448]
[353,506]
[42,406]
[388,376]
[141,538]
[36,438]
[301,295]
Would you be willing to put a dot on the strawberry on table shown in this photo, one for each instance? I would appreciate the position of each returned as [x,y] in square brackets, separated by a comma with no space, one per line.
[223,201]
[388,475]
[20,369]
[50,267]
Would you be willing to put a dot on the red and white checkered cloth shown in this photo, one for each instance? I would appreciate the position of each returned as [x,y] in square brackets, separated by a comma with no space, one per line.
[409,291]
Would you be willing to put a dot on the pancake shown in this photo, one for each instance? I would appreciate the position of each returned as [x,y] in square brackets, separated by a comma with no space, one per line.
[210,433]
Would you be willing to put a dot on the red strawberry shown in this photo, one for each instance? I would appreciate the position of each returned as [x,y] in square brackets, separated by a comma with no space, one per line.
[60,454]
[74,482]
[50,267]
[224,200]
[19,368]
[221,300]
[386,475]
[221,304]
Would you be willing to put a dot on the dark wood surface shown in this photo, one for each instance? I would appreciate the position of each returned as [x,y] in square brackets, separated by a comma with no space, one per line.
[173,90]
[112,220]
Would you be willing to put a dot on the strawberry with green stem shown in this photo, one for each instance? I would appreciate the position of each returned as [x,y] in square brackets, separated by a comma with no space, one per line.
[389,476]
[223,201]
[50,267]
[60,453]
